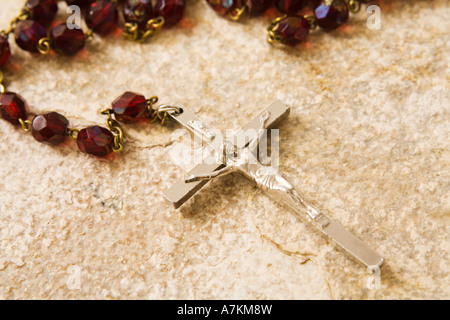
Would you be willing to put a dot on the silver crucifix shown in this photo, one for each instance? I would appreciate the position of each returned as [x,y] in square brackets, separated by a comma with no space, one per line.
[238,154]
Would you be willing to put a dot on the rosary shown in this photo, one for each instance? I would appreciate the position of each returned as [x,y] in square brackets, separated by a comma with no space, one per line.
[142,20]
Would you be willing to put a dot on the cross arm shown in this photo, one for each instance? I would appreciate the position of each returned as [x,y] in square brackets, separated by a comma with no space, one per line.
[179,193]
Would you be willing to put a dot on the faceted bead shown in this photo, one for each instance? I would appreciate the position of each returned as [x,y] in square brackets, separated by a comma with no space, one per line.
[224,6]
[67,41]
[28,33]
[102,17]
[292,30]
[130,107]
[258,6]
[42,11]
[139,11]
[5,50]
[50,128]
[13,107]
[331,14]
[96,141]
[171,10]
[289,6]
[79,3]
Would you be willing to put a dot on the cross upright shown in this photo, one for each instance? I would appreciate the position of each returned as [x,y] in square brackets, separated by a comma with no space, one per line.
[238,154]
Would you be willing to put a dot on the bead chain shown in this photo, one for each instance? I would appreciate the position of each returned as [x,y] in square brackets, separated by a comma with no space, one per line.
[142,21]
[291,28]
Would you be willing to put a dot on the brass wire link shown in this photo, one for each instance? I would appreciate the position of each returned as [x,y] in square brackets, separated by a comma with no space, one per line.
[133,33]
[272,37]
[2,86]
[44,46]
[153,113]
[312,21]
[237,14]
[115,129]
[354,6]
[89,34]
[26,125]
[73,133]
[23,15]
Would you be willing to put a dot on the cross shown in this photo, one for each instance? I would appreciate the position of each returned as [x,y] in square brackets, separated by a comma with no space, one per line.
[237,154]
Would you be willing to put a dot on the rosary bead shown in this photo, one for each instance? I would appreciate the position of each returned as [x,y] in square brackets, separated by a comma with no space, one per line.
[102,17]
[330,14]
[139,11]
[130,107]
[96,141]
[289,6]
[13,107]
[224,6]
[42,11]
[50,128]
[258,6]
[79,3]
[67,41]
[292,30]
[5,50]
[28,33]
[171,10]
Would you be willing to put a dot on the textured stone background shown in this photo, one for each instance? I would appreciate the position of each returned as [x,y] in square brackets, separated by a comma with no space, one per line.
[367,141]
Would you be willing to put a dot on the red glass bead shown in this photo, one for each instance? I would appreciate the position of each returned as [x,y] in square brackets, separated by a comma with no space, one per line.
[13,107]
[28,33]
[292,30]
[330,14]
[67,41]
[42,11]
[289,6]
[224,6]
[96,141]
[102,17]
[139,11]
[79,3]
[50,128]
[130,107]
[258,6]
[5,50]
[171,10]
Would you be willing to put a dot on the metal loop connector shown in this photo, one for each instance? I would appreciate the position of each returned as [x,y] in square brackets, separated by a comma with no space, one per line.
[23,15]
[89,35]
[162,111]
[272,37]
[171,110]
[131,31]
[44,46]
[237,14]
[312,21]
[115,129]
[134,33]
[151,102]
[26,125]
[2,86]
[73,133]
[354,6]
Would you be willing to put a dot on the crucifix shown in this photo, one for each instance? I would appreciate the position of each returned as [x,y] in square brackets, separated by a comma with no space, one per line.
[238,154]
